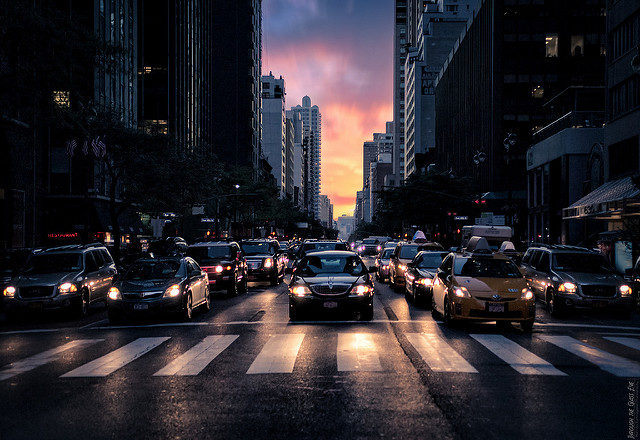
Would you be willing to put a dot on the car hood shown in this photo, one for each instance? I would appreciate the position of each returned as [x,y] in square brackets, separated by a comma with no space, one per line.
[590,278]
[215,262]
[426,273]
[505,286]
[45,279]
[146,285]
[324,279]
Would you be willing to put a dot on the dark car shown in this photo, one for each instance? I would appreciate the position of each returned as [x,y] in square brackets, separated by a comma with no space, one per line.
[265,262]
[371,246]
[71,277]
[382,264]
[331,280]
[224,264]
[420,274]
[566,277]
[11,262]
[159,285]
[402,255]
[321,246]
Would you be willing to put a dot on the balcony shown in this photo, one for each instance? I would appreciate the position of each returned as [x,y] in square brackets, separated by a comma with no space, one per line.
[573,119]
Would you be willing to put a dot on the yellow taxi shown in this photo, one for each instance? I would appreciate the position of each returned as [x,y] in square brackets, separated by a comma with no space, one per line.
[482,286]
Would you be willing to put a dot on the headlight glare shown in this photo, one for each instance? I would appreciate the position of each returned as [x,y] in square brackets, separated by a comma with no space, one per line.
[115,294]
[461,292]
[625,290]
[361,290]
[527,294]
[9,291]
[568,288]
[426,282]
[219,269]
[300,290]
[173,291]
[268,262]
[67,288]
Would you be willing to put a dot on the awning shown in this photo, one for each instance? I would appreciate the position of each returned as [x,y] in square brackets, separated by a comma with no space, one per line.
[606,199]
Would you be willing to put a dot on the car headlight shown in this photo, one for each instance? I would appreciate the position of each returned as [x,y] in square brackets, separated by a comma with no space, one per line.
[461,292]
[625,290]
[385,267]
[219,269]
[300,290]
[9,291]
[67,288]
[426,282]
[361,290]
[402,267]
[527,294]
[115,294]
[268,262]
[379,248]
[173,291]
[568,288]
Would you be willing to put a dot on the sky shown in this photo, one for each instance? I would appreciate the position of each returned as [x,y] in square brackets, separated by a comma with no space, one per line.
[340,53]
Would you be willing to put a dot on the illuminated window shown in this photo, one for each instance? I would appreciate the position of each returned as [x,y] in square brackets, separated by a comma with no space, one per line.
[537,92]
[577,45]
[551,42]
[62,98]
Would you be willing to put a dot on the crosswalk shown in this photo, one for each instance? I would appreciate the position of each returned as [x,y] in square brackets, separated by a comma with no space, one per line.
[354,353]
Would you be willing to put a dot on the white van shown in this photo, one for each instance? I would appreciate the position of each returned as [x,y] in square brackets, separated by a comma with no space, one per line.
[494,235]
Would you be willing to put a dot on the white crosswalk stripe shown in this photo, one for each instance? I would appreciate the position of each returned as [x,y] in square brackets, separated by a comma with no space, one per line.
[357,352]
[629,342]
[198,357]
[43,358]
[611,363]
[278,355]
[519,358]
[439,355]
[111,362]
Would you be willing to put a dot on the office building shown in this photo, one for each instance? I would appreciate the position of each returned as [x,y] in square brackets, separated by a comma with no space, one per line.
[299,157]
[274,129]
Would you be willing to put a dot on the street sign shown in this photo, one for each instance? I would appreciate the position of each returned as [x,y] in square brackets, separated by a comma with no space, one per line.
[197,210]
[461,218]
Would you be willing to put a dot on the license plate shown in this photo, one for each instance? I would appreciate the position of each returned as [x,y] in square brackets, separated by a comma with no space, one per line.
[35,306]
[599,304]
[140,306]
[496,308]
[331,304]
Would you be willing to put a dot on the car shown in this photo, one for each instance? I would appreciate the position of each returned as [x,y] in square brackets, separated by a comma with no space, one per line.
[166,285]
[382,264]
[224,263]
[284,245]
[67,277]
[11,262]
[321,245]
[331,280]
[290,256]
[419,276]
[265,262]
[567,277]
[371,246]
[480,285]
[403,254]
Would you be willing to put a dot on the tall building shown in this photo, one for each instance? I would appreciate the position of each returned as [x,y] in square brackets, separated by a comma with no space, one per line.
[289,158]
[274,129]
[400,38]
[299,158]
[490,94]
[438,27]
[346,226]
[325,211]
[236,36]
[312,129]
[369,156]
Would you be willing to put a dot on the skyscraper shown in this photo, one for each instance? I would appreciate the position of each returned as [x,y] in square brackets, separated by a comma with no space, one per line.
[299,158]
[274,128]
[312,129]
[399,56]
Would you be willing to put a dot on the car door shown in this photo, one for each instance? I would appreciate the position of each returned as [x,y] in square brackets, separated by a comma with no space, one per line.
[441,282]
[542,274]
[196,281]
[92,275]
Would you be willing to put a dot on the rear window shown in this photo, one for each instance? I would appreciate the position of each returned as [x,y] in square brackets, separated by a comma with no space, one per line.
[319,247]
[208,253]
[408,251]
[386,253]
[581,262]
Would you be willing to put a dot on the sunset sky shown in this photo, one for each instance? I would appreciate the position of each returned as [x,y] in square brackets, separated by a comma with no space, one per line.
[339,52]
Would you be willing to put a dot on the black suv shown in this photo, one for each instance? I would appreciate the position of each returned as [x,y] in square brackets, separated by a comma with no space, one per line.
[403,254]
[71,277]
[224,263]
[571,277]
[265,262]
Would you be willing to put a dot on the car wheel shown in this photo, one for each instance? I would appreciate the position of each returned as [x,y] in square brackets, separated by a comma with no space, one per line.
[244,286]
[446,316]
[187,308]
[434,312]
[232,290]
[367,313]
[527,326]
[552,303]
[207,300]
[414,295]
[80,307]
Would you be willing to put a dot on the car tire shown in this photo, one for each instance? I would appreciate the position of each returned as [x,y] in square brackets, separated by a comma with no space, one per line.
[552,304]
[244,286]
[527,326]
[232,290]
[434,312]
[187,307]
[446,316]
[80,305]
[367,313]
[206,306]
[414,295]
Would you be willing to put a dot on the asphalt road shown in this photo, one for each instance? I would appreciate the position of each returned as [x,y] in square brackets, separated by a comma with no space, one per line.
[243,371]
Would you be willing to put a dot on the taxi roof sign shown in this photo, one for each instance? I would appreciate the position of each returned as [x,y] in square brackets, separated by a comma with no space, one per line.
[478,245]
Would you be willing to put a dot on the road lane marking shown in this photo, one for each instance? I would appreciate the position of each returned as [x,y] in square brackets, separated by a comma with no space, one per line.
[611,363]
[518,358]
[107,364]
[192,362]
[278,355]
[32,362]
[439,355]
[628,342]
[357,352]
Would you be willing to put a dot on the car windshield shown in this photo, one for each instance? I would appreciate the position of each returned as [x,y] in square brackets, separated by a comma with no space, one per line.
[386,253]
[370,241]
[318,247]
[315,265]
[580,262]
[486,268]
[54,263]
[431,260]
[203,254]
[257,248]
[152,270]
[408,251]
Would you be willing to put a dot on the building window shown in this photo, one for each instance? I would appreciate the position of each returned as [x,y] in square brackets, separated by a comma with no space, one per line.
[551,42]
[577,45]
[537,92]
[61,98]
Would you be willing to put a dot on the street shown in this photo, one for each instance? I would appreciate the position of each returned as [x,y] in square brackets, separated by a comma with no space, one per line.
[244,371]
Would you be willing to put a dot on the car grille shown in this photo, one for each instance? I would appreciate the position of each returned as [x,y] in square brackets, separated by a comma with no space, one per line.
[337,289]
[488,298]
[254,264]
[139,295]
[594,290]
[36,291]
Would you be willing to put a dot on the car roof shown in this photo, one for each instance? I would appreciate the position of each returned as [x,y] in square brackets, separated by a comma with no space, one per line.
[338,253]
[212,243]
[563,249]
